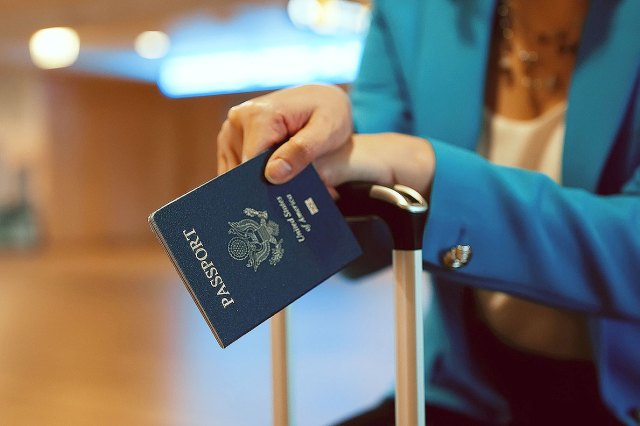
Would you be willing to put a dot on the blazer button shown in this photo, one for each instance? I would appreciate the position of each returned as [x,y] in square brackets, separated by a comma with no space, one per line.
[457,256]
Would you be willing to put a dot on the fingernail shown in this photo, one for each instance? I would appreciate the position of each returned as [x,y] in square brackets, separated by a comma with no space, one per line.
[278,170]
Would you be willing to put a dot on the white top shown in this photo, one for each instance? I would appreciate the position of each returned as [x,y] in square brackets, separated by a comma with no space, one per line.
[534,145]
[528,144]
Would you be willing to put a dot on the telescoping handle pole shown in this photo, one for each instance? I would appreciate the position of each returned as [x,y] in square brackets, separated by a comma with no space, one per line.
[279,368]
[404,211]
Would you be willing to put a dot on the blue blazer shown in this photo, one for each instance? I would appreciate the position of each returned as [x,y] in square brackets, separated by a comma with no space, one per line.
[575,246]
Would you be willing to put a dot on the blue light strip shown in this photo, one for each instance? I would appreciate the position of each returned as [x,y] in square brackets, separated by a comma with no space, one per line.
[259,68]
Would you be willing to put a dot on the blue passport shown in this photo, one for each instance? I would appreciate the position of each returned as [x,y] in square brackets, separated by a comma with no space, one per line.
[246,249]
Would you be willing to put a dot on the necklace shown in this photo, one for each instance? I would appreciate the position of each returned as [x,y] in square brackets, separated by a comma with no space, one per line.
[538,55]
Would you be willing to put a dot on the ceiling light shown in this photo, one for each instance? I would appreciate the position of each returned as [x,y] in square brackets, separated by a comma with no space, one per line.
[54,47]
[330,16]
[259,69]
[152,44]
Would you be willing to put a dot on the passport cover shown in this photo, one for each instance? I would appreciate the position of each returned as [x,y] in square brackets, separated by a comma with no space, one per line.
[246,248]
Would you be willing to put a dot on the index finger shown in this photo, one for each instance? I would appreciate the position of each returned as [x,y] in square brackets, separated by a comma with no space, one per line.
[229,147]
[261,126]
[319,136]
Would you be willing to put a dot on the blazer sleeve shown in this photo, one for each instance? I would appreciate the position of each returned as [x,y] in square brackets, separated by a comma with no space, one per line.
[529,236]
[534,238]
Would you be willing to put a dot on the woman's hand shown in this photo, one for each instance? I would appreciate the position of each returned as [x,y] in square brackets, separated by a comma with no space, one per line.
[383,158]
[316,123]
[313,120]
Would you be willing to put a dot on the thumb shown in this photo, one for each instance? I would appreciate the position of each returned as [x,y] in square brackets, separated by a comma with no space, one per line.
[312,141]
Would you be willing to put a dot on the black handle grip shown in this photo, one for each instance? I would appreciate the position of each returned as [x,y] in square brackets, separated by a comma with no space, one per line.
[403,209]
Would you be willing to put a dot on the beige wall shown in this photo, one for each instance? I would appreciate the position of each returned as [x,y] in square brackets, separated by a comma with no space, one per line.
[114,151]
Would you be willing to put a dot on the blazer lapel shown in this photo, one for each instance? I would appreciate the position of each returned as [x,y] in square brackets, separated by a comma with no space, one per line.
[606,71]
[452,68]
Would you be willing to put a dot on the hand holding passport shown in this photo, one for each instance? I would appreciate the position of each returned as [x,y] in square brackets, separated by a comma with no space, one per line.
[246,248]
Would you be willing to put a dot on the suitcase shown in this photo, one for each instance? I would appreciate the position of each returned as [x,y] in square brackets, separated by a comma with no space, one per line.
[404,211]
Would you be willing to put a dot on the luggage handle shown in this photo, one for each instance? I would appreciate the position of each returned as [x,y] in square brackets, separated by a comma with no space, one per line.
[404,211]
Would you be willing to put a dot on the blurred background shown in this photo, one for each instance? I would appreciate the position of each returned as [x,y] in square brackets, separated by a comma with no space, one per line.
[109,110]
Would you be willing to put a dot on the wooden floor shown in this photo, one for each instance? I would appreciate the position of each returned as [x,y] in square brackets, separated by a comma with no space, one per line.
[110,336]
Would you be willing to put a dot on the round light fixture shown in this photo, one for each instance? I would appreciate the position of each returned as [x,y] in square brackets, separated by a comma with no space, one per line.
[152,44]
[56,47]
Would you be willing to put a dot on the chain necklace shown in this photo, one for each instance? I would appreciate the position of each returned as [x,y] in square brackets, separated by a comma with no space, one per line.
[534,60]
